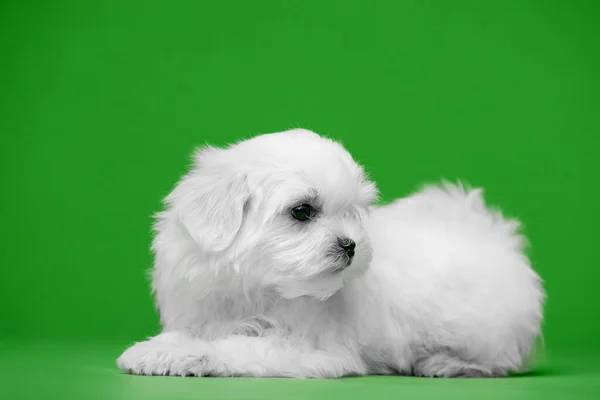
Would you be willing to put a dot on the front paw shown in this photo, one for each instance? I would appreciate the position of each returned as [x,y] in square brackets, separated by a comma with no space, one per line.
[155,358]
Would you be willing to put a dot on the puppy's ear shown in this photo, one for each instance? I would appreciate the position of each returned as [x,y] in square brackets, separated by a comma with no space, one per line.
[211,203]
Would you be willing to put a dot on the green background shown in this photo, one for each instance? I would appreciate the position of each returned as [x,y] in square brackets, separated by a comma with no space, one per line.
[102,103]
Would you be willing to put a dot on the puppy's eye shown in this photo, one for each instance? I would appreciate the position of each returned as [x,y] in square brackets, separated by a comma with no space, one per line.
[302,213]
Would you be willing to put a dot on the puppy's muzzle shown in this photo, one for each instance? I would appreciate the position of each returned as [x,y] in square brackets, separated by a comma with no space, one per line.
[341,255]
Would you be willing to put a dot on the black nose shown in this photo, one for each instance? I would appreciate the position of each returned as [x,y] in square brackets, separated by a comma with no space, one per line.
[348,245]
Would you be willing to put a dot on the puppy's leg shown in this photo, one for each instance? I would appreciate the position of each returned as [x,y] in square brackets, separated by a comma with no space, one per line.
[170,353]
[175,353]
[447,366]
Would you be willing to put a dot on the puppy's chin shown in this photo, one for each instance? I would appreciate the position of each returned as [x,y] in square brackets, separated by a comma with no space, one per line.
[320,288]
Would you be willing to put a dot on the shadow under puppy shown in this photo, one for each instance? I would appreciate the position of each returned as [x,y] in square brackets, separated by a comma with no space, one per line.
[271,260]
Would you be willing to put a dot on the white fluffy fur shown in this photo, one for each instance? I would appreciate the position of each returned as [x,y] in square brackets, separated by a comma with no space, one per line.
[439,285]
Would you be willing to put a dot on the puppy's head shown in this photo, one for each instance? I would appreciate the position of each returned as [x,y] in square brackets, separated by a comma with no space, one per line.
[282,210]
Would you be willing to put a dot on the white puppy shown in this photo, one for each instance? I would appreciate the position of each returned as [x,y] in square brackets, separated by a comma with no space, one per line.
[271,260]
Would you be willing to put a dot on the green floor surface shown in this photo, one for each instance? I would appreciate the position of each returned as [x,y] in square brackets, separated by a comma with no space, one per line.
[35,370]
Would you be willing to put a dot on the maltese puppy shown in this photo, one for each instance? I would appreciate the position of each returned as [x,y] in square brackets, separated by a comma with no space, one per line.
[272,261]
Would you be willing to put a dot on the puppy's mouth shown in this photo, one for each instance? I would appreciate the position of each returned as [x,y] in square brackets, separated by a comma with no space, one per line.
[339,263]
